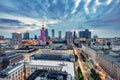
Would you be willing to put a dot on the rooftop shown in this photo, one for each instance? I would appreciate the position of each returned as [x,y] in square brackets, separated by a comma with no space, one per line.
[24,48]
[66,66]
[48,75]
[7,53]
[115,60]
[52,56]
[10,69]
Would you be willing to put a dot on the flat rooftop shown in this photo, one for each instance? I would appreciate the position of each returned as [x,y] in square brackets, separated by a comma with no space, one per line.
[10,69]
[66,66]
[24,49]
[48,75]
[53,56]
[115,60]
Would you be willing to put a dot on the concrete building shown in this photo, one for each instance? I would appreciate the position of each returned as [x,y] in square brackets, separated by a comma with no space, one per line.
[14,72]
[53,56]
[59,34]
[51,65]
[10,58]
[68,37]
[111,65]
[35,37]
[74,35]
[17,39]
[1,64]
[92,53]
[1,37]
[26,36]
[42,37]
[46,34]
[48,75]
[53,33]
[115,41]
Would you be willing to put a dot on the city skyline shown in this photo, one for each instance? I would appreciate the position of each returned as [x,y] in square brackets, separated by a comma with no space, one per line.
[69,15]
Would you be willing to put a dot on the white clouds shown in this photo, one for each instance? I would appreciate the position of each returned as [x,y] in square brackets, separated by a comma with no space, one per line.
[76,5]
[86,6]
[33,24]
[97,3]
[108,2]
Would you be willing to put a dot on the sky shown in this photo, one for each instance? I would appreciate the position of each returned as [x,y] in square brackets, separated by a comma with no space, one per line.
[102,17]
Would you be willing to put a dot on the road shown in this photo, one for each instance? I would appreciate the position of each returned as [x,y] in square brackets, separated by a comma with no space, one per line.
[84,69]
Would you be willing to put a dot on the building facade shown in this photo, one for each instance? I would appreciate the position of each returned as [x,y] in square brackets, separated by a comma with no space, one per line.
[85,34]
[26,36]
[60,34]
[42,37]
[14,72]
[1,37]
[53,33]
[17,39]
[69,38]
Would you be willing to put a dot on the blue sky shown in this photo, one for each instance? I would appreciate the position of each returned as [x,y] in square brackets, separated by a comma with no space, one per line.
[102,17]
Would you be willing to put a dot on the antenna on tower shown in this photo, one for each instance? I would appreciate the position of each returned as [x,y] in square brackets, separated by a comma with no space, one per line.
[42,24]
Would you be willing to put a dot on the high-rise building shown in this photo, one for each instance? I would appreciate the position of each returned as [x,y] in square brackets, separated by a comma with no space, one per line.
[53,33]
[74,35]
[35,37]
[68,36]
[1,37]
[42,37]
[26,36]
[46,34]
[17,39]
[59,33]
[95,36]
[85,34]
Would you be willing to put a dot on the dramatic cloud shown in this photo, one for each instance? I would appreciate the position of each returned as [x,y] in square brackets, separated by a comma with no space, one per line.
[28,15]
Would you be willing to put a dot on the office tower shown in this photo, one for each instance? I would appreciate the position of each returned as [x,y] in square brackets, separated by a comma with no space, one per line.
[17,39]
[59,33]
[68,36]
[95,36]
[46,34]
[53,33]
[1,37]
[35,37]
[74,35]
[26,36]
[85,34]
[42,37]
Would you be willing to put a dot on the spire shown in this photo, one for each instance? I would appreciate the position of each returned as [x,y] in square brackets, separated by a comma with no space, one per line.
[42,24]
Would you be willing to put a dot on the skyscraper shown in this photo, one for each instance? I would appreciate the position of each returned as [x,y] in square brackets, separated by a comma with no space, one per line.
[59,33]
[74,35]
[46,34]
[53,33]
[35,37]
[42,37]
[68,36]
[17,39]
[85,34]
[1,37]
[26,36]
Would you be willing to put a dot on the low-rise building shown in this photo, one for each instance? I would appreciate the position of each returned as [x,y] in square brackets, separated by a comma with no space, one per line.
[14,72]
[92,53]
[51,65]
[48,75]
[53,56]
[9,58]
[111,65]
